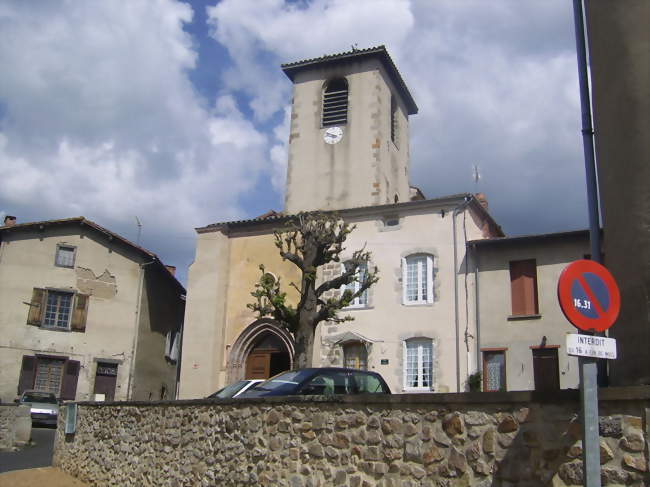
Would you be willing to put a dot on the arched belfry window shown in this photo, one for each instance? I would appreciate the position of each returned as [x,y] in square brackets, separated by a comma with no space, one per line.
[335,102]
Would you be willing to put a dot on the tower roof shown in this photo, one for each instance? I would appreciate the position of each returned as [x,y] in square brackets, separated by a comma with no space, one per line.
[379,52]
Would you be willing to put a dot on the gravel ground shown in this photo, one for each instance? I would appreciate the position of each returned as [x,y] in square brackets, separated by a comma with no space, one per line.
[43,476]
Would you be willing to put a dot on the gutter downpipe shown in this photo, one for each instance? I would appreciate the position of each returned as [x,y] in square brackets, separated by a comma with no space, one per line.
[136,334]
[456,211]
[477,308]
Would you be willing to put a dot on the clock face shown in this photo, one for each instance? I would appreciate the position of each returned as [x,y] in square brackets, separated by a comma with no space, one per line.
[333,135]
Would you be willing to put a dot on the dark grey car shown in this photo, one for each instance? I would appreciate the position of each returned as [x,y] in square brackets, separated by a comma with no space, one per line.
[320,381]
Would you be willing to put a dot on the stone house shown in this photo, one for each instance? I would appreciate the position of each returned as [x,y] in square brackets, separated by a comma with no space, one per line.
[348,152]
[521,328]
[85,313]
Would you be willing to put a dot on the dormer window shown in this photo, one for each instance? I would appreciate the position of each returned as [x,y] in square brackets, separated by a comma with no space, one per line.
[335,102]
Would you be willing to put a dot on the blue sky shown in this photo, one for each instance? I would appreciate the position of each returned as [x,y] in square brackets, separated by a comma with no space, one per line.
[177,112]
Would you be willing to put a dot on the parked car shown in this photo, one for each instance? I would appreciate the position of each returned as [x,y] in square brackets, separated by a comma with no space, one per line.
[320,381]
[234,389]
[44,407]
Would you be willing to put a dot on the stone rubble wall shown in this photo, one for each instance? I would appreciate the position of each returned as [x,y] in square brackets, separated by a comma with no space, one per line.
[15,426]
[470,439]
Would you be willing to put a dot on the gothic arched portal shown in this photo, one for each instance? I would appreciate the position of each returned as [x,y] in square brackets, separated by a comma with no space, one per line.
[262,350]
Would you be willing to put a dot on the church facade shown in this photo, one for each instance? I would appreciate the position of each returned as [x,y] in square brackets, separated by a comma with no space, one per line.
[348,153]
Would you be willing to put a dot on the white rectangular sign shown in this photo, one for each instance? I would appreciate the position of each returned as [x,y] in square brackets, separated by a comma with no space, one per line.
[591,346]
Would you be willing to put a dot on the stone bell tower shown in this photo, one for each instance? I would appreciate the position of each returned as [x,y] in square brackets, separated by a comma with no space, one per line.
[349,138]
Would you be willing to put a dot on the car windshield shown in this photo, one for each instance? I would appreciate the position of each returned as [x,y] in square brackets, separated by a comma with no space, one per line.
[39,397]
[230,391]
[284,381]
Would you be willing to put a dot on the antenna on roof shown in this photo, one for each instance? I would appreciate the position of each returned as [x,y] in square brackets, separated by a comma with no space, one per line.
[137,221]
[476,175]
[354,47]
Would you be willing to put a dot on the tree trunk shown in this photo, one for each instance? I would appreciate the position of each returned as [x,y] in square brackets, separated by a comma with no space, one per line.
[304,347]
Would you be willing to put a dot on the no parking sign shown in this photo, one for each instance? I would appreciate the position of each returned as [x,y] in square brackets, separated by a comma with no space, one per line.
[589,295]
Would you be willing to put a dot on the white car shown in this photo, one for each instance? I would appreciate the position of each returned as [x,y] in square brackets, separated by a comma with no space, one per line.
[44,406]
[234,389]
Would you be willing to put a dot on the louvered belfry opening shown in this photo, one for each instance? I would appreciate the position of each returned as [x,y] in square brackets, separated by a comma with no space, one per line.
[335,102]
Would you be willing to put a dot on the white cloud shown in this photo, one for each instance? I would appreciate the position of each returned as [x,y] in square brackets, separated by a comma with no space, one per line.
[98,117]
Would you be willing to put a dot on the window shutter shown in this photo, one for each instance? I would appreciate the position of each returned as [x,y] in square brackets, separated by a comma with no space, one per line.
[523,284]
[80,312]
[27,373]
[404,282]
[36,306]
[70,378]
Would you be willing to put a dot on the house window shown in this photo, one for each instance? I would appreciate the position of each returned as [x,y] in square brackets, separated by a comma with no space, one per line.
[361,300]
[418,366]
[355,356]
[417,279]
[58,375]
[523,286]
[394,134]
[172,346]
[494,370]
[64,256]
[335,102]
[58,310]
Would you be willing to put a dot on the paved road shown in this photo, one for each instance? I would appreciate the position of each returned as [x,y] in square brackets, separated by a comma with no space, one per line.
[39,454]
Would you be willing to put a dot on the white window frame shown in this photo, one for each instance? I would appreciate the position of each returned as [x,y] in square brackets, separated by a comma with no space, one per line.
[419,342]
[354,287]
[428,272]
[58,253]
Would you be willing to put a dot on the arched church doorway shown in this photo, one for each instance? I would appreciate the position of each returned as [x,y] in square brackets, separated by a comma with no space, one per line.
[262,350]
[267,358]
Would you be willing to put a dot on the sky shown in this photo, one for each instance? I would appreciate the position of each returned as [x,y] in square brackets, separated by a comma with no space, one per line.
[175,114]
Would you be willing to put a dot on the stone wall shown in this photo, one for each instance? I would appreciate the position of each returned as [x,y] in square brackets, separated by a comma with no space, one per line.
[477,439]
[15,426]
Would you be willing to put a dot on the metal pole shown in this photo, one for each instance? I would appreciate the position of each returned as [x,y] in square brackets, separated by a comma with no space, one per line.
[588,366]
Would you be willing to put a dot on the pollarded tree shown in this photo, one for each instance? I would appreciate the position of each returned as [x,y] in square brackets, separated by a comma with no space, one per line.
[310,241]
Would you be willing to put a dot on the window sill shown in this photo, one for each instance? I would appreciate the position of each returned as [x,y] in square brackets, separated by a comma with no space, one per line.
[419,390]
[417,304]
[53,328]
[524,317]
[356,308]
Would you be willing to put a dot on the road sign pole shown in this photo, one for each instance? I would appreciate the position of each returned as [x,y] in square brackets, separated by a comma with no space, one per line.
[589,414]
[588,368]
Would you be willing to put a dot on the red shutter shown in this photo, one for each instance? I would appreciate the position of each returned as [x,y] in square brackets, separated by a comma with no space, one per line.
[70,377]
[27,372]
[523,286]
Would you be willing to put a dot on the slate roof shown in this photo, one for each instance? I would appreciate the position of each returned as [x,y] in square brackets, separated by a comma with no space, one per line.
[379,52]
[490,242]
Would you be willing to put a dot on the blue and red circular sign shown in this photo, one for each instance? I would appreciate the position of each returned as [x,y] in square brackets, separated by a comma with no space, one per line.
[589,295]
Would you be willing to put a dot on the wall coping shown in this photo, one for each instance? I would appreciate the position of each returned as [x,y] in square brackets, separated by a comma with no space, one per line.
[566,395]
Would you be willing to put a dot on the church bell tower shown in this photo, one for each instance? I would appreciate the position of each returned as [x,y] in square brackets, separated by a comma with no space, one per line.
[349,137]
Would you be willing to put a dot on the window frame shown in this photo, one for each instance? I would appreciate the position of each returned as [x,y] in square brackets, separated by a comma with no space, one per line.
[429,279]
[61,246]
[52,293]
[418,342]
[354,287]
[78,313]
[504,373]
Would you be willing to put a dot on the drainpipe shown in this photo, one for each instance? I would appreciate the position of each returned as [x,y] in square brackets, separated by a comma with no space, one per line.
[138,305]
[477,308]
[456,211]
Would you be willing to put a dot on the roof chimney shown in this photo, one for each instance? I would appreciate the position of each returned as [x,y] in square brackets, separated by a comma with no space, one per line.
[10,221]
[482,199]
[171,269]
